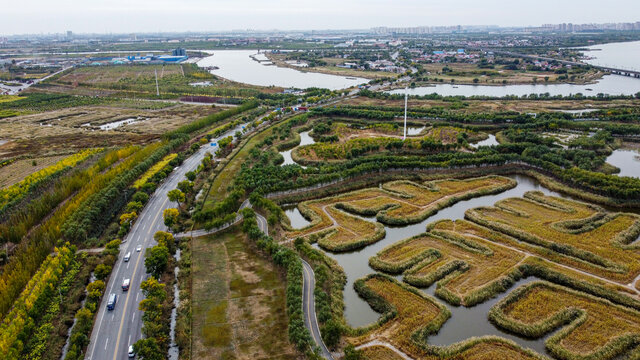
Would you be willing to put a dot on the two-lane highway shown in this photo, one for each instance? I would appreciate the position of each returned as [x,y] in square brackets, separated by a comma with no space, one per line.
[115,330]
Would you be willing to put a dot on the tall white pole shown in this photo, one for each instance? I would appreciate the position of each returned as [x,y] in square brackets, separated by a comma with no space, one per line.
[157,88]
[404,137]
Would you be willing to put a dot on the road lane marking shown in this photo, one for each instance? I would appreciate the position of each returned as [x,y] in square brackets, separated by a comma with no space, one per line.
[126,302]
[309,306]
[106,343]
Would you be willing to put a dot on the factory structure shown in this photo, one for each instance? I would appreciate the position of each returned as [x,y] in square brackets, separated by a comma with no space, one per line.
[177,56]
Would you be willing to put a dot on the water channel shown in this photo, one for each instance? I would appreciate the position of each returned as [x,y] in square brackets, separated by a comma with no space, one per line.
[464,322]
[237,65]
[305,139]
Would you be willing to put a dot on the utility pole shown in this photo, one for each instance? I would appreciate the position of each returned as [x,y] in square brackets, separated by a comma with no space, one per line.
[157,88]
[404,137]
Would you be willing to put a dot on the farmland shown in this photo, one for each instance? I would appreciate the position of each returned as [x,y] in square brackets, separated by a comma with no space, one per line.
[44,133]
[238,299]
[173,79]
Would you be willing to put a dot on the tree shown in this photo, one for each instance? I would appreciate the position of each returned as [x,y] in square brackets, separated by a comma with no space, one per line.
[176,195]
[190,175]
[185,186]
[152,288]
[351,353]
[140,197]
[134,206]
[170,216]
[128,218]
[148,349]
[102,271]
[476,80]
[157,260]
[331,333]
[165,239]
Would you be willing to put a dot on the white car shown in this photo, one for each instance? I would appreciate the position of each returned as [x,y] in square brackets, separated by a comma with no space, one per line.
[132,353]
[127,256]
[139,248]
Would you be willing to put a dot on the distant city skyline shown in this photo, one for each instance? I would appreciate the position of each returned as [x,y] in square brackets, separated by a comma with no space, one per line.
[120,16]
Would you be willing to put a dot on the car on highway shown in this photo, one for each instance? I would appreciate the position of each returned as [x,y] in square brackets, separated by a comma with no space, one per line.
[125,284]
[111,304]
[132,353]
[138,248]
[127,256]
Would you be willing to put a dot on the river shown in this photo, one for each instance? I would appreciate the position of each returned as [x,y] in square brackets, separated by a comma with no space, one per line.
[464,322]
[237,65]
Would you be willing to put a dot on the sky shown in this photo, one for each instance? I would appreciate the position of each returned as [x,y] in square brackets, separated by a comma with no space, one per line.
[129,16]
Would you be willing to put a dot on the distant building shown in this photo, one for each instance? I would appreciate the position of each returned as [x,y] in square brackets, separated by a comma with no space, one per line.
[179,52]
[69,34]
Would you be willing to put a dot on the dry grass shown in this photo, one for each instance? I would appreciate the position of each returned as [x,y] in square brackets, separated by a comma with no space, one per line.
[595,324]
[238,302]
[379,352]
[414,312]
[572,228]
[396,203]
[484,262]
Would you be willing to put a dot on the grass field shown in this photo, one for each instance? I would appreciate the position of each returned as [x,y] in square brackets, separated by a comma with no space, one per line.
[578,230]
[238,302]
[399,202]
[590,326]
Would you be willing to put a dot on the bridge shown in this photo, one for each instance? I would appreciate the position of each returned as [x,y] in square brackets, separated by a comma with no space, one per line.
[612,70]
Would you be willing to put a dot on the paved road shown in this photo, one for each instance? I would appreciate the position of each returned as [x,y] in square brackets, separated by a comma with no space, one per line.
[115,330]
[309,309]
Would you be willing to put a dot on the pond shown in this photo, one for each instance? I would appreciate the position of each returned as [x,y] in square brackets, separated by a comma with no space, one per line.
[465,322]
[490,141]
[609,84]
[305,139]
[237,65]
[112,125]
[413,131]
[627,160]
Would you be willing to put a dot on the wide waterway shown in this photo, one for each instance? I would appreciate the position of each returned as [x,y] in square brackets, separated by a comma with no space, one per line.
[609,84]
[464,322]
[619,55]
[623,55]
[237,65]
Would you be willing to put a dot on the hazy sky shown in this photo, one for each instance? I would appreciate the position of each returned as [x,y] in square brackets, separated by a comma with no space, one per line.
[124,16]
